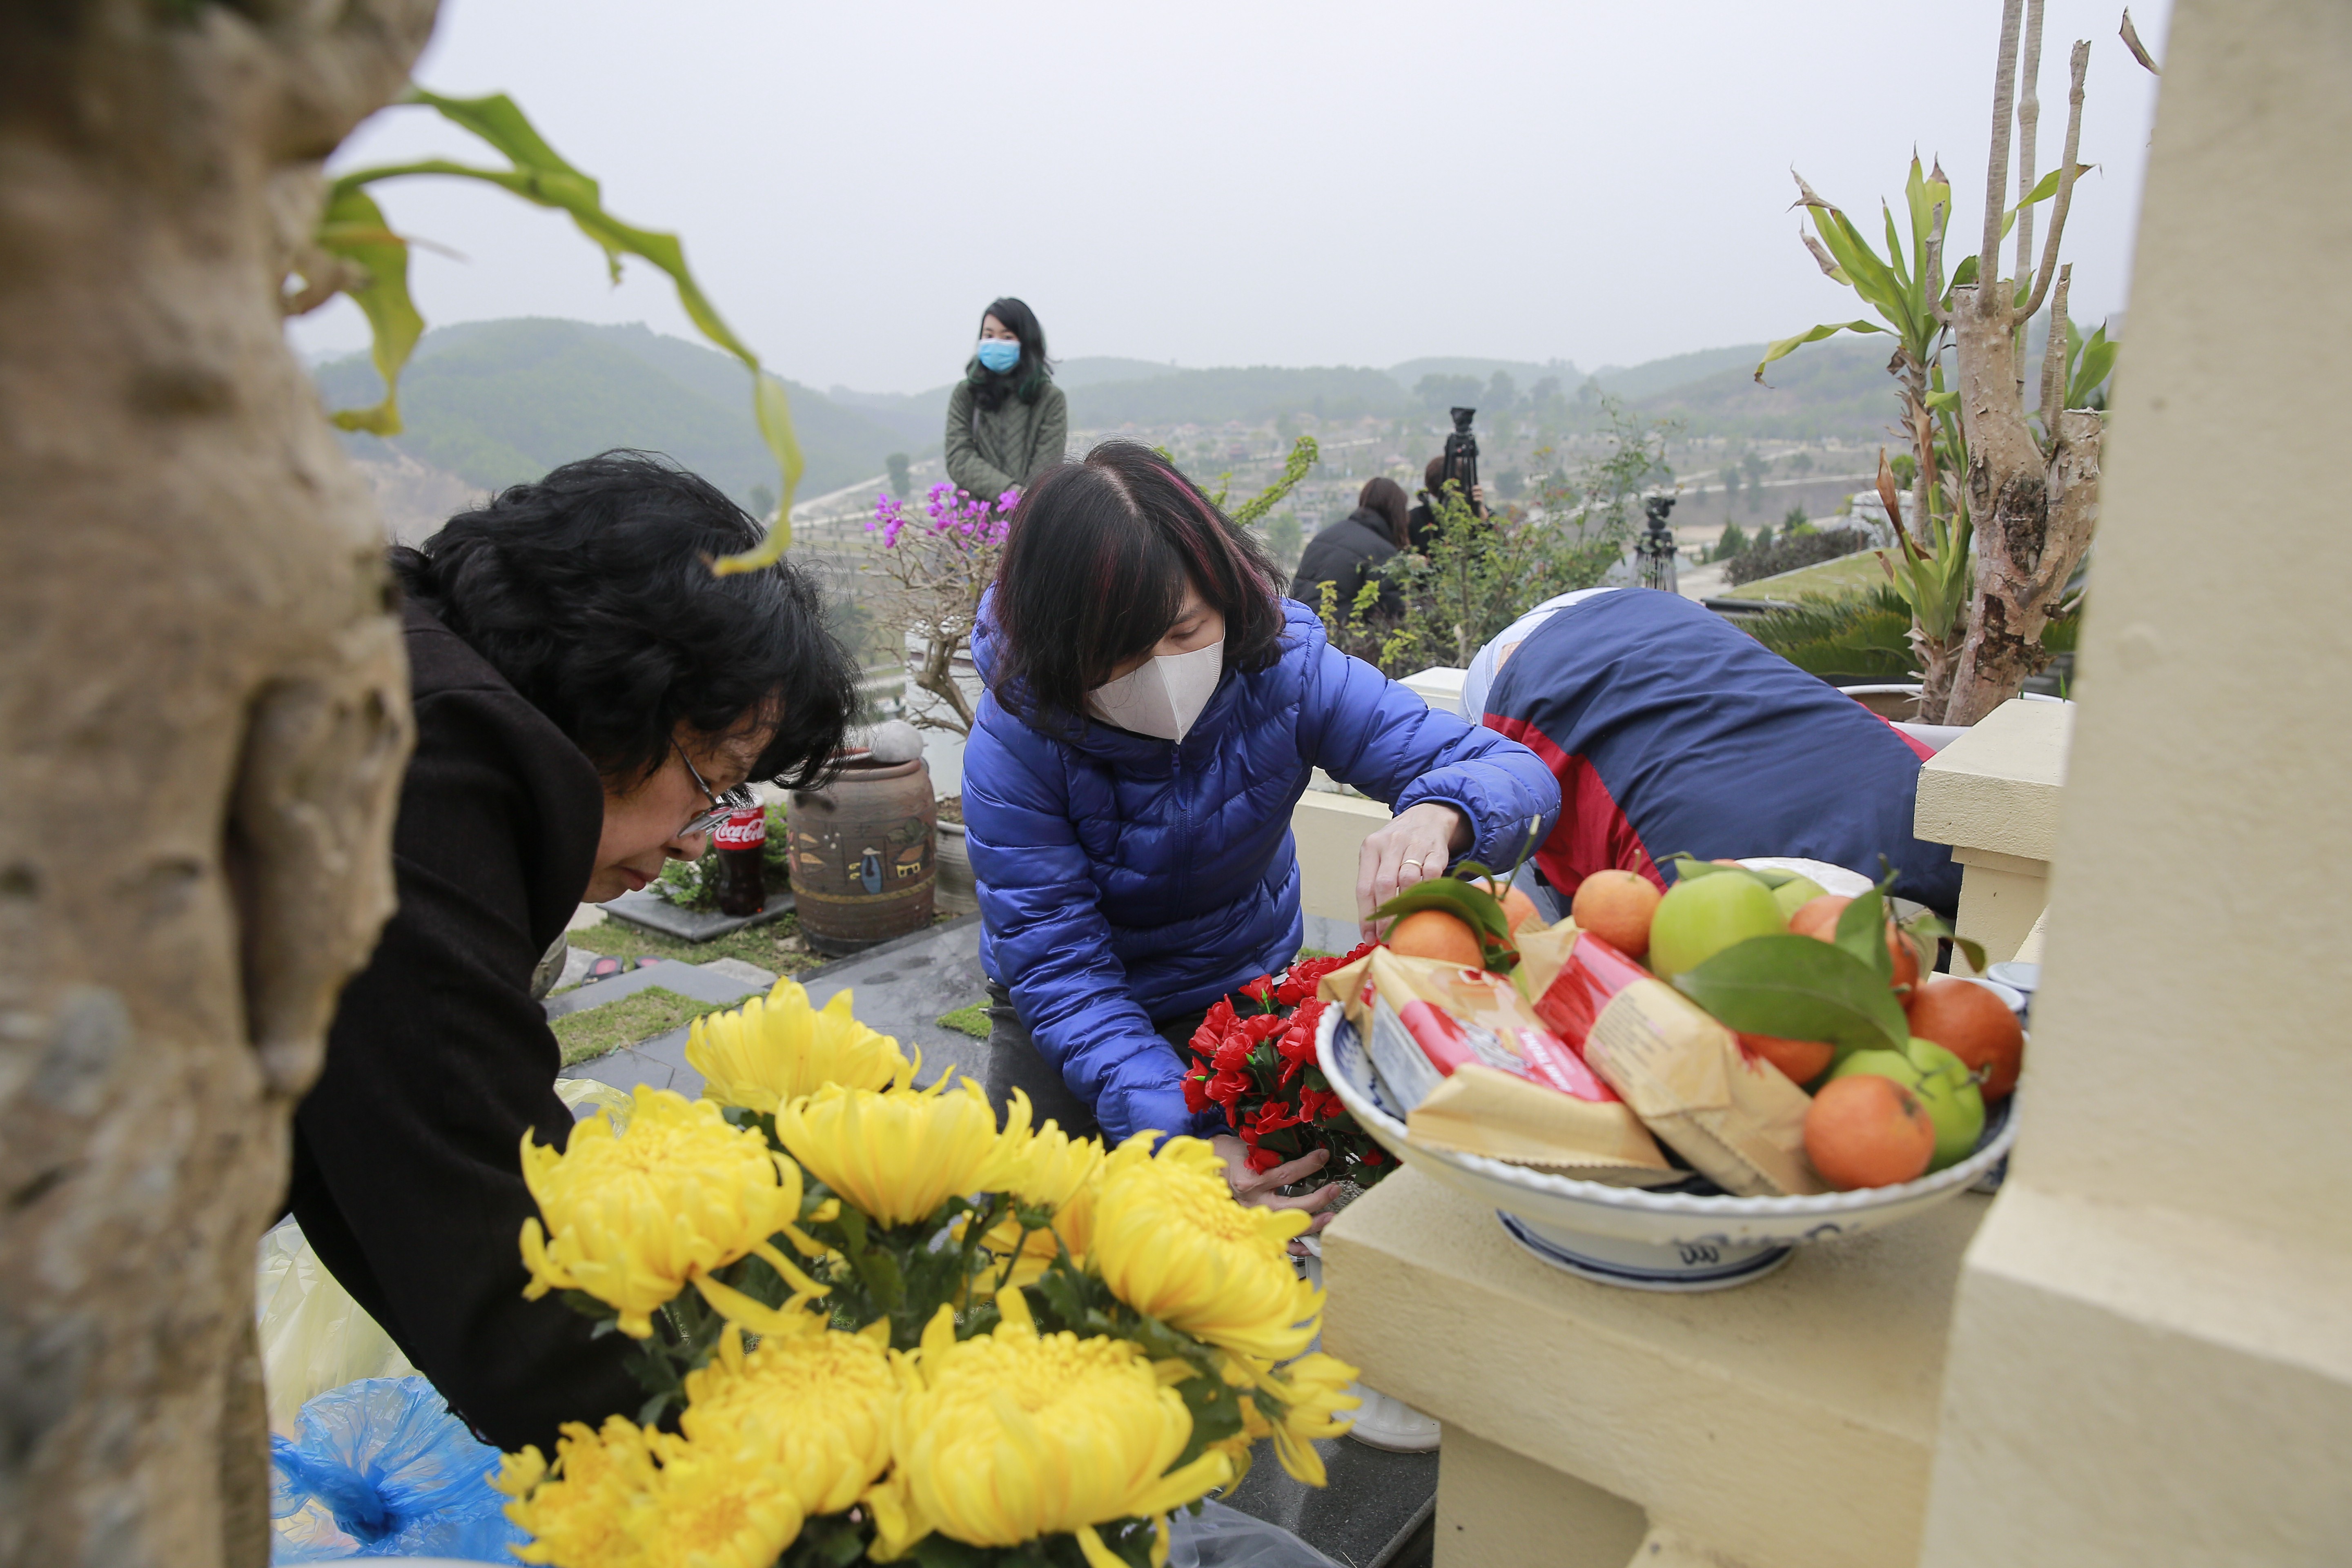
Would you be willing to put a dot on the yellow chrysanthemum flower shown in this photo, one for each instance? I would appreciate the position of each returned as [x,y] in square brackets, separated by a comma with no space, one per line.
[897,1154]
[1012,1435]
[1171,1241]
[629,1496]
[1056,1172]
[631,1219]
[588,1509]
[769,1053]
[1312,1390]
[717,1508]
[815,1408]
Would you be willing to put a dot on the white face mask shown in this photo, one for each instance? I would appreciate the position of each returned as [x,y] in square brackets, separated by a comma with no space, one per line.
[1165,695]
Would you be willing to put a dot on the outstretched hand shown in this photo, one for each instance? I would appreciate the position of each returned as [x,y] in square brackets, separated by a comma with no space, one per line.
[1264,1188]
[1415,845]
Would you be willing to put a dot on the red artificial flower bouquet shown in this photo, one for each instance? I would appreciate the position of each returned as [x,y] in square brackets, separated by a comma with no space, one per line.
[1253,1058]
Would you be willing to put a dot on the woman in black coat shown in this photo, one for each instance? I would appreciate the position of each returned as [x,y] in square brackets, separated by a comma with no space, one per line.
[1352,551]
[587,695]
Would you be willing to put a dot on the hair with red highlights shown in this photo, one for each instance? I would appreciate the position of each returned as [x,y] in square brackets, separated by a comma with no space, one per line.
[1094,574]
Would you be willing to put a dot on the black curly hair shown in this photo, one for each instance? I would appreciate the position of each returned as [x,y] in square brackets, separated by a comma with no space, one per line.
[591,592]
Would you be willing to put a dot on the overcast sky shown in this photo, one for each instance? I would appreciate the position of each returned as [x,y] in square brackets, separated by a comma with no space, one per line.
[1208,183]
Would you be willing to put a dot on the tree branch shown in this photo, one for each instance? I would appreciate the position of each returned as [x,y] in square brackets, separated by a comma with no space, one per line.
[2081,64]
[2054,360]
[2004,96]
[2029,124]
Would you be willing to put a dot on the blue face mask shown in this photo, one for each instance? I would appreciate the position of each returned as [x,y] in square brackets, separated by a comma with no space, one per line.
[999,354]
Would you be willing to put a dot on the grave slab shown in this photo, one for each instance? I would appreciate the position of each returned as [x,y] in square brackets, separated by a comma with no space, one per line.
[1373,1502]
[656,913]
[902,986]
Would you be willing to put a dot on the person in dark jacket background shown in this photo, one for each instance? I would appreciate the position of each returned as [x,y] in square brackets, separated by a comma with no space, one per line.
[1154,712]
[1351,552]
[1007,422]
[1421,522]
[587,695]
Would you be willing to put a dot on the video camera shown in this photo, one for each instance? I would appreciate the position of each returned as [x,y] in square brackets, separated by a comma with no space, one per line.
[1462,453]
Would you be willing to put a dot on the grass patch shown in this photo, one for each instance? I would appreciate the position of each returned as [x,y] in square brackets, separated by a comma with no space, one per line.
[1846,574]
[971,1020]
[599,1031]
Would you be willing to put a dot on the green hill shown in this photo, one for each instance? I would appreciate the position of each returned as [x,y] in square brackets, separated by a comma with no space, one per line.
[498,402]
[1256,392]
[1526,373]
[1837,387]
[1653,376]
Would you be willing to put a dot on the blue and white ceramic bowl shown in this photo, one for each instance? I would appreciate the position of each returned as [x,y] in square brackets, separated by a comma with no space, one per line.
[1645,1239]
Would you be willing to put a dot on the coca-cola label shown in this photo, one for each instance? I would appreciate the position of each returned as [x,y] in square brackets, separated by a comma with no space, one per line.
[743,830]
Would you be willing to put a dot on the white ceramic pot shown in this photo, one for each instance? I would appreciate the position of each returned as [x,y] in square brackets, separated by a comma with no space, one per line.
[1645,1239]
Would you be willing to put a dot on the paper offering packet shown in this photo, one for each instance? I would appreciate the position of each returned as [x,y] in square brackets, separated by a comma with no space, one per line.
[1734,1116]
[1476,1073]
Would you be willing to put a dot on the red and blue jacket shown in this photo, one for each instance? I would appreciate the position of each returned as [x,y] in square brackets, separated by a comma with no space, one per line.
[1671,729]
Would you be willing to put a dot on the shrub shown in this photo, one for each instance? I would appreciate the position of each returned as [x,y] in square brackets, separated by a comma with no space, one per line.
[1851,639]
[1795,550]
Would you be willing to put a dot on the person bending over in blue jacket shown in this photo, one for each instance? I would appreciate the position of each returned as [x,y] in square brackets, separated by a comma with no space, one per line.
[1154,710]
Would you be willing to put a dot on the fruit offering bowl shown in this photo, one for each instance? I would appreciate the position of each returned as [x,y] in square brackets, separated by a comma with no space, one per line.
[1682,1238]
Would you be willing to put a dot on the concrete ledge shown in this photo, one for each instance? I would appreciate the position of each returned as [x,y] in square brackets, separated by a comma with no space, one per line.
[1330,829]
[1998,786]
[1787,1423]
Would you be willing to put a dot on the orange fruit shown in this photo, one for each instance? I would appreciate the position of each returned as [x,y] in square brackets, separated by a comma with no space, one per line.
[1907,964]
[1818,919]
[1975,1026]
[1518,908]
[1868,1132]
[1433,933]
[1616,907]
[1800,1061]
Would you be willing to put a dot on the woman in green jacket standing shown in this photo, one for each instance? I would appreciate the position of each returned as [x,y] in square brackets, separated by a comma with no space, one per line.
[1007,422]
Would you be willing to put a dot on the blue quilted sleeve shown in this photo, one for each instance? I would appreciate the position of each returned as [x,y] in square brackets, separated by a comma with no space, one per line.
[1370,732]
[1052,946]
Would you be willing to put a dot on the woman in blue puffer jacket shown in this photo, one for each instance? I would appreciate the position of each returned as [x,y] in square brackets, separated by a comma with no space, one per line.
[1154,711]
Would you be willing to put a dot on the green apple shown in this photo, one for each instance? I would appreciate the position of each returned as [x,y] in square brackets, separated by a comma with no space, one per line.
[1700,917]
[1945,1086]
[1795,893]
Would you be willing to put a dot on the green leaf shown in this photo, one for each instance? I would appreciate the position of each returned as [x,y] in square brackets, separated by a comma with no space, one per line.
[540,175]
[1787,346]
[1862,932]
[1930,927]
[352,227]
[1799,989]
[1688,866]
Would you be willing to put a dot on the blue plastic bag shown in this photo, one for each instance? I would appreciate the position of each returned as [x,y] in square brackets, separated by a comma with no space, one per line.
[382,1469]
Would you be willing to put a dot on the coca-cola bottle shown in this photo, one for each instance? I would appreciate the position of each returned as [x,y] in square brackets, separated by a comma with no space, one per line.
[742,844]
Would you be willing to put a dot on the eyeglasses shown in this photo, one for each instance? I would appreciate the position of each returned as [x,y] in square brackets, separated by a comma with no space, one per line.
[723,807]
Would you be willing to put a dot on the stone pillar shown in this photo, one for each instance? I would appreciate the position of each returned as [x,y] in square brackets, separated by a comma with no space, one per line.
[2151,1355]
